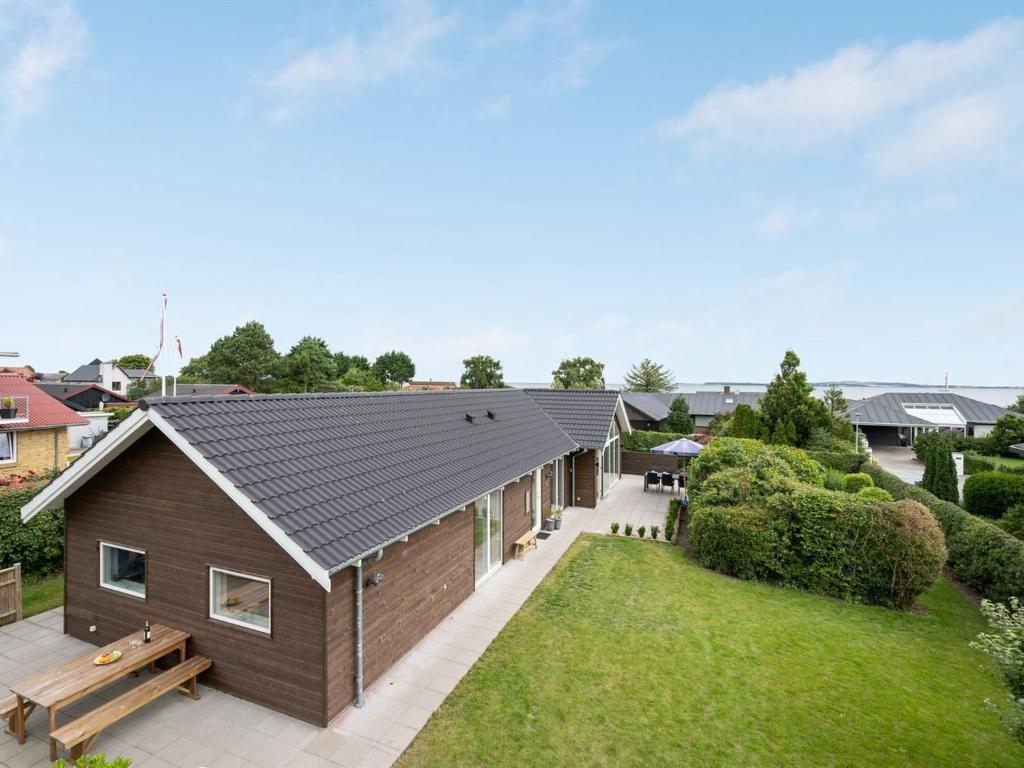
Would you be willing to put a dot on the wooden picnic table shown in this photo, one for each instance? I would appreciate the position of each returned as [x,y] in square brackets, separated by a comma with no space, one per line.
[61,686]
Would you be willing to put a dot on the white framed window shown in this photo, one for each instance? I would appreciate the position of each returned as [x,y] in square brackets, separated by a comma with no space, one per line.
[8,448]
[123,569]
[240,599]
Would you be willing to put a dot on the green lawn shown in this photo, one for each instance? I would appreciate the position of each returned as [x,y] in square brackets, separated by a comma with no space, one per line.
[1009,462]
[629,654]
[42,595]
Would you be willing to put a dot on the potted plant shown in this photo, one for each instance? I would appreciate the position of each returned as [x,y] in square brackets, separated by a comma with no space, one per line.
[8,410]
[557,517]
[549,523]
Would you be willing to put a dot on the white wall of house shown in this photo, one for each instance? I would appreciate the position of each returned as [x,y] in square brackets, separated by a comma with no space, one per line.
[980,430]
[97,426]
[114,379]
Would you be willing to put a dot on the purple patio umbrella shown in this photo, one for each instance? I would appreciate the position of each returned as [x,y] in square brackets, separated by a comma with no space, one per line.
[681,447]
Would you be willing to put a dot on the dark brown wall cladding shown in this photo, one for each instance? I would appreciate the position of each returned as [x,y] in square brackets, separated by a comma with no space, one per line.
[515,520]
[424,580]
[154,498]
[586,479]
[637,462]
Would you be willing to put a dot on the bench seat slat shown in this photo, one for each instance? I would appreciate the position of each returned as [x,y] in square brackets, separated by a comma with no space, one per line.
[91,723]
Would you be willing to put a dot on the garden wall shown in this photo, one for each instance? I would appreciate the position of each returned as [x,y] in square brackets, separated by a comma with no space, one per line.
[637,462]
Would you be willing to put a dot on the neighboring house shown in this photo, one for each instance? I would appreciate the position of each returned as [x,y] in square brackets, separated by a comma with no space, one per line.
[897,418]
[23,371]
[428,386]
[206,390]
[138,374]
[84,397]
[1018,448]
[107,375]
[34,429]
[274,529]
[648,410]
[595,420]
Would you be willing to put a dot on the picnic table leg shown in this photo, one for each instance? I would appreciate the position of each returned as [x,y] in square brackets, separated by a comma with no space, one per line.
[19,721]
[181,653]
[53,727]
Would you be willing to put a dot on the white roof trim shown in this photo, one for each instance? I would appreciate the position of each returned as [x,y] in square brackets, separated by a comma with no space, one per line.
[620,408]
[310,566]
[92,461]
[134,427]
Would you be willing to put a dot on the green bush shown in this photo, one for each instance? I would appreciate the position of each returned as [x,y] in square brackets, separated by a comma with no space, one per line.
[1005,646]
[738,541]
[825,542]
[95,761]
[853,483]
[1013,521]
[615,528]
[723,453]
[981,555]
[1008,430]
[874,494]
[643,440]
[37,545]
[654,532]
[628,529]
[845,462]
[670,518]
[805,469]
[641,531]
[975,463]
[990,494]
[835,480]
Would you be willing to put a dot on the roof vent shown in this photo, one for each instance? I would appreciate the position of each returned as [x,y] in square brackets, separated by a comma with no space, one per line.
[491,416]
[470,417]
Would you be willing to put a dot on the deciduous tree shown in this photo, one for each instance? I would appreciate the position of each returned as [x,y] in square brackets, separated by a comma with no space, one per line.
[310,365]
[138,360]
[482,372]
[394,367]
[578,373]
[245,357]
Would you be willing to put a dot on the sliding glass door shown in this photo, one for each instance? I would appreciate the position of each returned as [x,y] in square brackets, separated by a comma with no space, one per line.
[487,534]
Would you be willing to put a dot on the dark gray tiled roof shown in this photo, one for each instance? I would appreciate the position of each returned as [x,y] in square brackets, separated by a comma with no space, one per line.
[887,408]
[585,414]
[201,390]
[89,372]
[137,373]
[1018,448]
[656,404]
[342,474]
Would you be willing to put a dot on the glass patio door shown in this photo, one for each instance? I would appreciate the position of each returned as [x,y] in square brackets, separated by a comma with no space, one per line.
[487,534]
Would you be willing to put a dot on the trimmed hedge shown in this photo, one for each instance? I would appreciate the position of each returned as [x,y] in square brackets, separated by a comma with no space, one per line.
[981,555]
[975,462]
[844,461]
[826,542]
[990,494]
[37,545]
[875,494]
[642,440]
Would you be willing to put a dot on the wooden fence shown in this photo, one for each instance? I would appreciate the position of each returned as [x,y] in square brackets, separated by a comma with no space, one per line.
[10,594]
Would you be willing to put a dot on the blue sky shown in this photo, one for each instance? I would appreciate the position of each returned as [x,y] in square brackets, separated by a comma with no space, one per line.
[703,185]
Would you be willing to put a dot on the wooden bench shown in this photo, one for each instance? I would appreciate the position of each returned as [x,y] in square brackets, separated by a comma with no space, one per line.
[527,541]
[9,708]
[79,735]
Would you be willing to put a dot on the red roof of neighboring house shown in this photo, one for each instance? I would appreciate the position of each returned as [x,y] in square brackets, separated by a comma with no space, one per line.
[43,410]
[24,371]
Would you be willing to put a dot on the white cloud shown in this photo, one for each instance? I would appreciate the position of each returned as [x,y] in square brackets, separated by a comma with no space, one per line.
[953,132]
[530,18]
[585,55]
[782,220]
[495,109]
[49,38]
[401,46]
[858,220]
[859,86]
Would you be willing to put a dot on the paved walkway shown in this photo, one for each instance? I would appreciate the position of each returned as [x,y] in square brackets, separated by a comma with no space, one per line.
[221,731]
[904,464]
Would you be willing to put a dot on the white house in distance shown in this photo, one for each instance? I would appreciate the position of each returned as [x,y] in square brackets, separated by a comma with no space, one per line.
[897,418]
[108,375]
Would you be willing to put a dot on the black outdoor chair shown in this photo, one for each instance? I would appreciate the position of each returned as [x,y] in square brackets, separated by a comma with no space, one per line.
[650,480]
[668,481]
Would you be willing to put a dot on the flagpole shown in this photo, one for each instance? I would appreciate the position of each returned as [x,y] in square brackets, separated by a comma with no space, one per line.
[163,365]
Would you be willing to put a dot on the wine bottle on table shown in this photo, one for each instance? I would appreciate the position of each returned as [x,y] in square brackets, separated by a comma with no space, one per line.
[146,632]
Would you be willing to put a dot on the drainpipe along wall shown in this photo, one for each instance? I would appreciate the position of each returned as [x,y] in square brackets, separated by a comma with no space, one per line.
[360,701]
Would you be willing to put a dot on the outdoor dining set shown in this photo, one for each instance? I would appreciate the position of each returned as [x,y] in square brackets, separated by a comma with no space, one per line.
[655,479]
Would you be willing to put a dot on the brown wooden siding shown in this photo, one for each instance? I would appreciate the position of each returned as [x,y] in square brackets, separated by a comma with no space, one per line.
[515,521]
[586,479]
[638,462]
[154,498]
[425,579]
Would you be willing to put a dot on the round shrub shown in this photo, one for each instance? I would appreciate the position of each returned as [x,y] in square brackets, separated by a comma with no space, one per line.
[835,480]
[37,545]
[874,494]
[806,469]
[990,494]
[722,453]
[856,481]
[908,551]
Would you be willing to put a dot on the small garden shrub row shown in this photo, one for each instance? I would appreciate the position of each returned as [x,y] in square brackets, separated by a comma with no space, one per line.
[981,554]
[641,440]
[641,532]
[990,494]
[671,518]
[38,545]
[761,512]
[846,462]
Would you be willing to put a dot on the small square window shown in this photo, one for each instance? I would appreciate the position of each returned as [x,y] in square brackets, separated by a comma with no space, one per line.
[240,599]
[123,569]
[8,448]
[115,385]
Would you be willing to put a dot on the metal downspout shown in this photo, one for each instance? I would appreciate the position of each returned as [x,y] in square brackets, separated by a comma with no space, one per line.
[360,701]
[574,479]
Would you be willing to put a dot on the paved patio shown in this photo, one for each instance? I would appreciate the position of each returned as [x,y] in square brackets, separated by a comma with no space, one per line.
[221,731]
